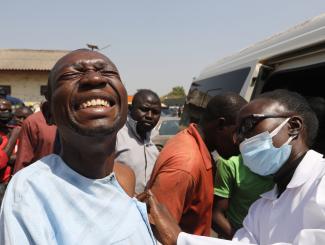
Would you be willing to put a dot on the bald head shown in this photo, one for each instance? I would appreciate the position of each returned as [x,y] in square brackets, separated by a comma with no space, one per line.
[66,60]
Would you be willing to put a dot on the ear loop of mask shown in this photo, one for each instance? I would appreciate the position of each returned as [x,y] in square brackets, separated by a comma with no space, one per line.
[277,130]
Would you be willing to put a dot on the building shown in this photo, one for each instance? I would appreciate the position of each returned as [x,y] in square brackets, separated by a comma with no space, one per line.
[24,72]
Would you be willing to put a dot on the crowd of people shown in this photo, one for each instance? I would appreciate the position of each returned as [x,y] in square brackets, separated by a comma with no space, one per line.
[84,169]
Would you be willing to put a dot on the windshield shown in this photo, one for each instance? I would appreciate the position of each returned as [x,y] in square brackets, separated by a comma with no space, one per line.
[169,127]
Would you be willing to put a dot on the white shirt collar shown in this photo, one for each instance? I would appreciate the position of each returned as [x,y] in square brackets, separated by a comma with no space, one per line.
[302,174]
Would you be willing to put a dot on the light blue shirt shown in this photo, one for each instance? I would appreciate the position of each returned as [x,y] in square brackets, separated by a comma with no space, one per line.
[49,203]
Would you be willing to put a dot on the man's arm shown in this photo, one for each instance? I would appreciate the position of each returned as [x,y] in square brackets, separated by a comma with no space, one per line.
[219,221]
[6,152]
[172,188]
[126,178]
[224,187]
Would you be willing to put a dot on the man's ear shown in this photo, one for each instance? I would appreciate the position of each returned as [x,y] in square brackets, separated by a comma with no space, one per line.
[220,123]
[295,126]
[46,110]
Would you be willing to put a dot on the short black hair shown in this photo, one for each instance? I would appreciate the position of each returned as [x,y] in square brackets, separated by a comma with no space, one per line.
[296,103]
[226,104]
[144,92]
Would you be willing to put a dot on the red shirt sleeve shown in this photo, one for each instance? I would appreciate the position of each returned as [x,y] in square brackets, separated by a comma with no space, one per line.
[3,159]
[172,188]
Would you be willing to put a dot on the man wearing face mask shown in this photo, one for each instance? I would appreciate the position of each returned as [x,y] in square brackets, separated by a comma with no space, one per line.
[134,146]
[8,139]
[275,133]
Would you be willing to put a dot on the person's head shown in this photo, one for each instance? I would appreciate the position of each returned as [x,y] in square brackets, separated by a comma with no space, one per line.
[218,123]
[281,118]
[21,113]
[5,111]
[145,109]
[85,96]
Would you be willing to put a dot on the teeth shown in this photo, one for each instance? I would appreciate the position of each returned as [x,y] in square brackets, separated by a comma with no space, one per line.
[94,102]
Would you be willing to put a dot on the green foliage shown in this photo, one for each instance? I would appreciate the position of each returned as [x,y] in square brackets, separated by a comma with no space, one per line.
[177,92]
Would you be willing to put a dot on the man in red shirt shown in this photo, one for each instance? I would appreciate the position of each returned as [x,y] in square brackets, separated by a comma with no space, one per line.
[182,178]
[8,139]
[36,140]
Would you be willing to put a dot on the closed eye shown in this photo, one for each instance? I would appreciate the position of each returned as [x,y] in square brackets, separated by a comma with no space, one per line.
[108,73]
[70,75]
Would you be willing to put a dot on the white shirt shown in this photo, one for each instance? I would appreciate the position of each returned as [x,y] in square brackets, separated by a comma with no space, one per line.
[296,217]
[139,155]
[48,203]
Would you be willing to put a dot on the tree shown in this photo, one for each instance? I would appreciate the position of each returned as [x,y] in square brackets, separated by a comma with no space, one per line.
[177,92]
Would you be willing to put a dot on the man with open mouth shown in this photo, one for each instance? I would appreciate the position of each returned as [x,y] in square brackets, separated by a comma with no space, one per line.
[78,196]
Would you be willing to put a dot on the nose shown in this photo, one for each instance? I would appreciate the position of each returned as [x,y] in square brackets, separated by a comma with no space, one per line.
[93,79]
[149,114]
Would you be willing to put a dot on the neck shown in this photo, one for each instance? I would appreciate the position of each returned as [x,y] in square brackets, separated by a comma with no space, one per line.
[285,174]
[203,136]
[141,133]
[92,157]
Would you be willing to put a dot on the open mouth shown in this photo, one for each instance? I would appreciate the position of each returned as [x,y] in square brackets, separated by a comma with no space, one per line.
[95,102]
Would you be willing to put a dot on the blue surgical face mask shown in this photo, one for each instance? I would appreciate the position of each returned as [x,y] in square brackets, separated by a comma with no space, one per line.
[260,155]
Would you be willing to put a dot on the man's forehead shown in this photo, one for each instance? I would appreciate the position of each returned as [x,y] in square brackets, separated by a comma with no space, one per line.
[147,99]
[83,57]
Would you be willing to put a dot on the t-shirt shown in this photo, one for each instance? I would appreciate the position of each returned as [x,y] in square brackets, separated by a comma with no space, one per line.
[243,187]
[182,180]
[49,203]
[140,155]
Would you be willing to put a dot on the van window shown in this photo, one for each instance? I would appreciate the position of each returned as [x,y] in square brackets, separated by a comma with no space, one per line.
[306,81]
[202,91]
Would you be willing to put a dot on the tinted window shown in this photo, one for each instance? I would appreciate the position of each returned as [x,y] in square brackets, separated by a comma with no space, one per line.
[169,127]
[202,91]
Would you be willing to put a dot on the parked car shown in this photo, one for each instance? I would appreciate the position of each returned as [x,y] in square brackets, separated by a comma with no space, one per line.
[166,128]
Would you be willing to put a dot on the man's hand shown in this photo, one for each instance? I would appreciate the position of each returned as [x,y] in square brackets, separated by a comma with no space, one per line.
[164,226]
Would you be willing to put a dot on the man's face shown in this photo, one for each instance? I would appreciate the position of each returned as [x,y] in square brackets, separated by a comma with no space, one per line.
[146,111]
[21,114]
[87,94]
[250,125]
[5,111]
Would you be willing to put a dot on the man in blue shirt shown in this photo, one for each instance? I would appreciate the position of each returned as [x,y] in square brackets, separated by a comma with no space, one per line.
[78,197]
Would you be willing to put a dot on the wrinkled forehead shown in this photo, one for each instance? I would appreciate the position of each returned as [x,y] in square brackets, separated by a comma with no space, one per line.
[262,106]
[80,58]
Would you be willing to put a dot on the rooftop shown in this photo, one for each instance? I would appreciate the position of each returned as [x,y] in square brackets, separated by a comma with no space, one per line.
[29,59]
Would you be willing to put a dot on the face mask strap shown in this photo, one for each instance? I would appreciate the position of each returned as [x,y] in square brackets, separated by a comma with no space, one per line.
[278,128]
[290,139]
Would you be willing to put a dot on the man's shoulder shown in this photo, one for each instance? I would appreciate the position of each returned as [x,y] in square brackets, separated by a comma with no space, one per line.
[181,152]
[32,175]
[124,135]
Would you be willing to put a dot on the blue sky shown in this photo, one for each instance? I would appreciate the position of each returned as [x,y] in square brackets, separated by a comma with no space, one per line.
[156,45]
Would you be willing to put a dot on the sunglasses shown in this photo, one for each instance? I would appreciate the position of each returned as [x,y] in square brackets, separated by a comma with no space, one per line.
[248,123]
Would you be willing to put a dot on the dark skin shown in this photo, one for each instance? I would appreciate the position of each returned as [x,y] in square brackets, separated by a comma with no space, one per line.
[294,127]
[21,114]
[5,108]
[164,224]
[219,136]
[146,111]
[88,104]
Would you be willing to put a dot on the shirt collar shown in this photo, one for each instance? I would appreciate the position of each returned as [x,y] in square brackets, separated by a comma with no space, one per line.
[192,130]
[305,169]
[303,173]
[132,124]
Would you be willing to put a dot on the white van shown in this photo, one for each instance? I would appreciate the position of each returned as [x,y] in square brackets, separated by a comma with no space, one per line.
[294,60]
